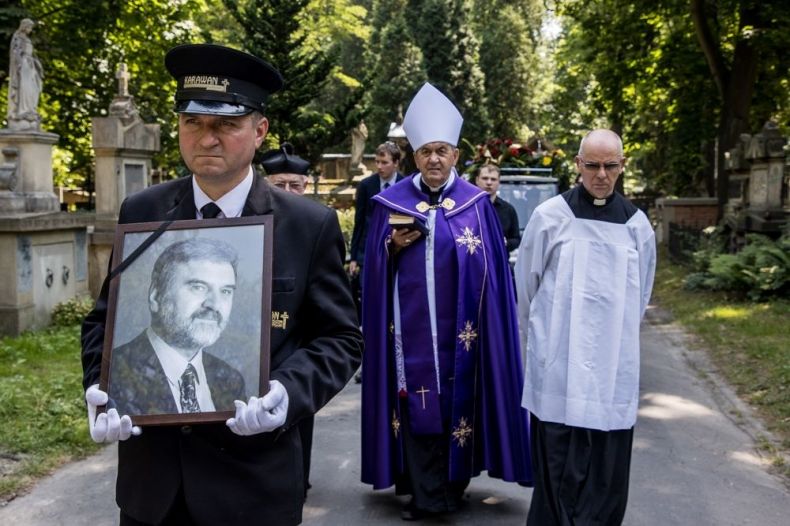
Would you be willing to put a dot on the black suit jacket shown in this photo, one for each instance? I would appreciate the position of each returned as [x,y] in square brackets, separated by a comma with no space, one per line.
[368,187]
[508,220]
[138,384]
[229,479]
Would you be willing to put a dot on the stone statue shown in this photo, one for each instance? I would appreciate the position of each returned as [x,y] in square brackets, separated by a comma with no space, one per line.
[358,136]
[25,78]
[122,106]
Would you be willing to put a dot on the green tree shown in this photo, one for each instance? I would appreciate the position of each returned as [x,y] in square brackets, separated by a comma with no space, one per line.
[451,53]
[273,30]
[509,34]
[396,67]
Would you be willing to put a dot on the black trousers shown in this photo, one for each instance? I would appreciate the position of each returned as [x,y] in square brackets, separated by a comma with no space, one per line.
[177,516]
[426,475]
[581,475]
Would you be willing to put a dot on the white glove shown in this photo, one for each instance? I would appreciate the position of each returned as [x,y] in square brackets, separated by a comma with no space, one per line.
[261,415]
[107,427]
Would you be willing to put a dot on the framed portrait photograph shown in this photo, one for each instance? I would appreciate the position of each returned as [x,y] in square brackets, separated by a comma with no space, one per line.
[188,319]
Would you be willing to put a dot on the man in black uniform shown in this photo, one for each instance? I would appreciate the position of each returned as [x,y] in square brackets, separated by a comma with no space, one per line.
[488,180]
[248,470]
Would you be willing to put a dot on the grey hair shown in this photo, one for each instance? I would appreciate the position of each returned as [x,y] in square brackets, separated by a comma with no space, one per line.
[193,249]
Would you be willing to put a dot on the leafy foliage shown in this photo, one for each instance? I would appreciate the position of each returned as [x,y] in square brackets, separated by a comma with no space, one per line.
[273,30]
[513,65]
[760,270]
[71,312]
[451,53]
[397,68]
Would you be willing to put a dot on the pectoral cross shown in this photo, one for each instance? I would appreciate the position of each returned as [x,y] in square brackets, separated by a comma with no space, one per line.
[422,392]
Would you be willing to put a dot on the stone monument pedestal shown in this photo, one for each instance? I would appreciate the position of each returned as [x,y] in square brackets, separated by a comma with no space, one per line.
[45,262]
[26,185]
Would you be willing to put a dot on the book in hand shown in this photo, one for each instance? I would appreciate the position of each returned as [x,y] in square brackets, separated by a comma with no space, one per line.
[399,221]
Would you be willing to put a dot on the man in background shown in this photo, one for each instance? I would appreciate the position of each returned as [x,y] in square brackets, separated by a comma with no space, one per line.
[488,180]
[584,275]
[289,172]
[387,174]
[286,170]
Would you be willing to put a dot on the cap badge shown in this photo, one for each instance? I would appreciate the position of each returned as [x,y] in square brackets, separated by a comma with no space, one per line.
[206,82]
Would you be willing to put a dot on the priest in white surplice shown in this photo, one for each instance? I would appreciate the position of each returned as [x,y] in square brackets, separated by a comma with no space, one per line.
[584,274]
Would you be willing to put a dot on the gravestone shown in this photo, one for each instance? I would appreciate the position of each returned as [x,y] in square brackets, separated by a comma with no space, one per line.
[123,146]
[43,252]
[758,162]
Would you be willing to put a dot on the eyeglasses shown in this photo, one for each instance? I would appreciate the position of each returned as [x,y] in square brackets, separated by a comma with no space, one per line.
[285,185]
[610,168]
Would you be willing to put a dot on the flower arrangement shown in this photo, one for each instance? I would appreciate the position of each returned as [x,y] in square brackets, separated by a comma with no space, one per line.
[508,154]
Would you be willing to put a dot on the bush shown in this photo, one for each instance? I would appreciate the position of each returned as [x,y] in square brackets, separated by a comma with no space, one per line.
[71,312]
[760,270]
[346,219]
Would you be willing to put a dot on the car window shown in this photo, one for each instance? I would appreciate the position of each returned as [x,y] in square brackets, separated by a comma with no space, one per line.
[526,197]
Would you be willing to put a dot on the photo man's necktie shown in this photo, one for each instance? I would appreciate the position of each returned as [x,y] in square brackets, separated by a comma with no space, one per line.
[386,185]
[210,211]
[189,403]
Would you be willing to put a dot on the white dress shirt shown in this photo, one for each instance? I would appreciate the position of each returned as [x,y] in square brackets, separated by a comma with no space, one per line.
[231,203]
[174,365]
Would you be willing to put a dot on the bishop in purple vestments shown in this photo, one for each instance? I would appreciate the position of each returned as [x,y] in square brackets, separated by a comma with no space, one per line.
[442,380]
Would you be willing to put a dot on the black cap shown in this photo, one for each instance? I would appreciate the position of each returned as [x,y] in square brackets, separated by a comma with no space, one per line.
[283,161]
[217,80]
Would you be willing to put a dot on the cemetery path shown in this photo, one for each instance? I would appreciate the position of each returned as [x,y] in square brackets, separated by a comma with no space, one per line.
[695,461]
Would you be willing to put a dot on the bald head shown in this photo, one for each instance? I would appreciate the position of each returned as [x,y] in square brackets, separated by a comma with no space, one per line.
[600,162]
[602,138]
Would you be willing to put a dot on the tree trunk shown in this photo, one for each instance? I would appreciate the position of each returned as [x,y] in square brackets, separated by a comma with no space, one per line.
[735,83]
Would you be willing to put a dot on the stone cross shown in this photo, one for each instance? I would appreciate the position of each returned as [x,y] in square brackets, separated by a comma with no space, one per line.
[123,80]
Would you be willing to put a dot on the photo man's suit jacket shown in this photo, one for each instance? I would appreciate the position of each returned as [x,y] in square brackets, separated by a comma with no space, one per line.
[139,386]
[229,479]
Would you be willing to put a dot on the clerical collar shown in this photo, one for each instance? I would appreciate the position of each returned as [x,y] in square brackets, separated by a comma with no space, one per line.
[594,200]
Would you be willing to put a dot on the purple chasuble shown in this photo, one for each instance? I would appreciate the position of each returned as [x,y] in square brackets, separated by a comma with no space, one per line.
[480,376]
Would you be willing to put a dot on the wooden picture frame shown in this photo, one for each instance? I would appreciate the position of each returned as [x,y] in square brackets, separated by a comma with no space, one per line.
[181,301]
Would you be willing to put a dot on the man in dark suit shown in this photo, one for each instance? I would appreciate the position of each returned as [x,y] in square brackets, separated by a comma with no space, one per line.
[387,159]
[165,369]
[248,470]
[488,180]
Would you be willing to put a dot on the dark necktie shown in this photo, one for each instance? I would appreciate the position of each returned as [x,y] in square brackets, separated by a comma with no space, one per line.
[210,211]
[189,403]
[386,185]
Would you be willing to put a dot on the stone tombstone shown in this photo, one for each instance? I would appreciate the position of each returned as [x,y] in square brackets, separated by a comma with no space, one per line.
[767,156]
[44,258]
[358,137]
[124,146]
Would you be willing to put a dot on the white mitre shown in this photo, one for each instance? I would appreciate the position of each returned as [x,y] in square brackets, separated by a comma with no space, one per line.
[431,117]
